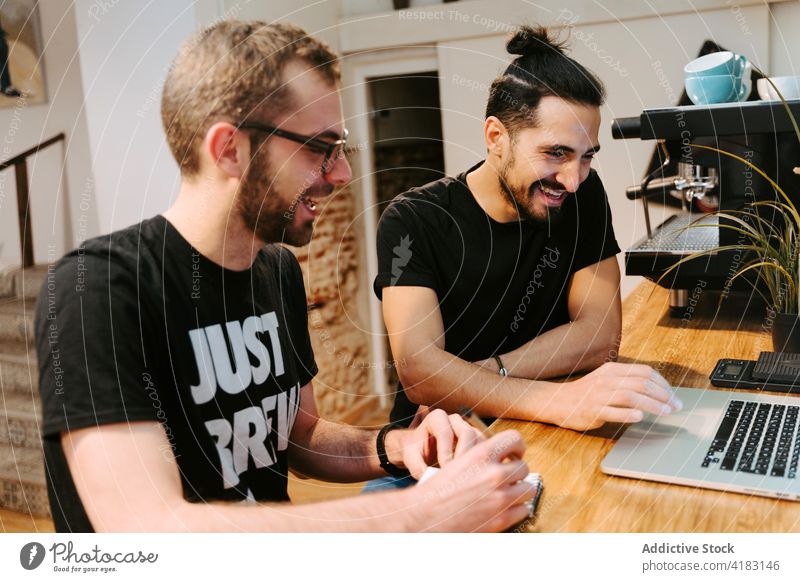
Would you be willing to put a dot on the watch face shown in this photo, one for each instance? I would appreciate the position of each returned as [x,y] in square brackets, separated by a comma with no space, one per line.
[732,369]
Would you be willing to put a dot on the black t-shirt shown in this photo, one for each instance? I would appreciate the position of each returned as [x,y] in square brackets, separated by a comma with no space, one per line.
[499,284]
[139,326]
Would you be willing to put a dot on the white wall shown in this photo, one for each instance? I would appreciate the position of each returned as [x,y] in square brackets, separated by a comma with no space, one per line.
[363,7]
[477,18]
[55,195]
[125,51]
[319,18]
[784,42]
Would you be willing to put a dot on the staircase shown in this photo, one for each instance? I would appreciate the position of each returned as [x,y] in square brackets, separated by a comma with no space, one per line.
[22,481]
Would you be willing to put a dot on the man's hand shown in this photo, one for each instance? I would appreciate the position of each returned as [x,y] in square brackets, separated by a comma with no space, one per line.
[613,393]
[437,439]
[480,490]
[422,412]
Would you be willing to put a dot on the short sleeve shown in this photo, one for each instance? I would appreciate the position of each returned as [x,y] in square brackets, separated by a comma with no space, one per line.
[403,257]
[596,240]
[89,345]
[294,299]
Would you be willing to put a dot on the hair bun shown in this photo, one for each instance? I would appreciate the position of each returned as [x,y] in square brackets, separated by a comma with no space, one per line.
[529,40]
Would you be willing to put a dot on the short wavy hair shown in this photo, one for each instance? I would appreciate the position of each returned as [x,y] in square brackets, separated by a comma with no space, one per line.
[230,71]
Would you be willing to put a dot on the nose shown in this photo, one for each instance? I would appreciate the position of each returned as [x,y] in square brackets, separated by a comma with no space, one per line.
[570,176]
[341,173]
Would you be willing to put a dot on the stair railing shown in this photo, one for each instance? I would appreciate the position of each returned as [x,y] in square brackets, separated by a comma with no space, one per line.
[20,163]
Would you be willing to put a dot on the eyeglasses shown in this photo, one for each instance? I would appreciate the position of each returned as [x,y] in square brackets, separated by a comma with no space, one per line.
[333,150]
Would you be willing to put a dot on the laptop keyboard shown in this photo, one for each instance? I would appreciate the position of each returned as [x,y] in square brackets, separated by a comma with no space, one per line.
[757,438]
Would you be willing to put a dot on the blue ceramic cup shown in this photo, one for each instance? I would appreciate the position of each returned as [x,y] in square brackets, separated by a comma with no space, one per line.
[717,84]
[714,89]
[714,64]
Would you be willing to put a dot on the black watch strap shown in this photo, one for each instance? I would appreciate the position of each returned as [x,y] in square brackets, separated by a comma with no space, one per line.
[380,444]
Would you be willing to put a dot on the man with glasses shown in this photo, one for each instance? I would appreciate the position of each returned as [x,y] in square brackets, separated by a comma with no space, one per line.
[175,361]
[331,150]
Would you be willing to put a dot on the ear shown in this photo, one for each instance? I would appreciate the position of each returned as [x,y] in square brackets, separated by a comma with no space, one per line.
[227,148]
[496,136]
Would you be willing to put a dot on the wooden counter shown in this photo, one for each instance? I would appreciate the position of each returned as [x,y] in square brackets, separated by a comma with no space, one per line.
[579,498]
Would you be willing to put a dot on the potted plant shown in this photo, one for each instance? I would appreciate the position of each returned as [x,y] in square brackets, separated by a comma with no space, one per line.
[773,247]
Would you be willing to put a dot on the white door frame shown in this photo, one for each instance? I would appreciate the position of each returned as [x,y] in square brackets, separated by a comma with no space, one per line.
[356,71]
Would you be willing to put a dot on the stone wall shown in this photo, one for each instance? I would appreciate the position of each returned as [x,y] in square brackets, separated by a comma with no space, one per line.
[336,321]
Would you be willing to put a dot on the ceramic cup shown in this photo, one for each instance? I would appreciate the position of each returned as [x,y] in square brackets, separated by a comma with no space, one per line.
[708,89]
[788,86]
[714,89]
[715,64]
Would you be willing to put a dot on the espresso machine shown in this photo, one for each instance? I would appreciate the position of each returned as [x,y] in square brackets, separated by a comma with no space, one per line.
[760,132]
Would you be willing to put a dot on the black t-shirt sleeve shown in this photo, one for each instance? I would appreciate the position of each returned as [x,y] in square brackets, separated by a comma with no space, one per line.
[402,251]
[294,298]
[595,233]
[89,346]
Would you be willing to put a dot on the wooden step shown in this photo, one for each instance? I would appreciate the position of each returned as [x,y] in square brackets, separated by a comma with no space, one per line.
[19,372]
[7,280]
[22,481]
[16,320]
[19,282]
[20,421]
[28,282]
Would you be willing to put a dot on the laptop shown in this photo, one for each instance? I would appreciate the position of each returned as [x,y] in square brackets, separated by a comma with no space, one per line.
[732,441]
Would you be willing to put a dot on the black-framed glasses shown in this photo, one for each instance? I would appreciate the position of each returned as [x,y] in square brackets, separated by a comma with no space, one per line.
[333,150]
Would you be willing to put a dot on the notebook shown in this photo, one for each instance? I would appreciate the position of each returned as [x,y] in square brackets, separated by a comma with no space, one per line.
[728,440]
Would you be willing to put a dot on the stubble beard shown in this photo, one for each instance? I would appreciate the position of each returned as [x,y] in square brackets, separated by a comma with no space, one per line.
[265,212]
[522,198]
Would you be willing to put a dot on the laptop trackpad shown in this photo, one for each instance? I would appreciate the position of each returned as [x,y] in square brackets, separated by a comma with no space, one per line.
[695,424]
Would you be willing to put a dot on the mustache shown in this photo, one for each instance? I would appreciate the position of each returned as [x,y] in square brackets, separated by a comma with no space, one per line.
[319,191]
[549,184]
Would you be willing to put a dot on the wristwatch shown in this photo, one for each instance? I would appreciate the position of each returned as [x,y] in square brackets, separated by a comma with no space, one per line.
[387,465]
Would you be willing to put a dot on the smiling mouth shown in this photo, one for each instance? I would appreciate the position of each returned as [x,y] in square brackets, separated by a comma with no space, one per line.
[309,203]
[552,195]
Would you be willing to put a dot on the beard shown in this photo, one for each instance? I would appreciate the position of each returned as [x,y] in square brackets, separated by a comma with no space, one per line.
[267,212]
[522,197]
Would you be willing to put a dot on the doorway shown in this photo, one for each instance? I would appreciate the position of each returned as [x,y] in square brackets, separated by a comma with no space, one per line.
[407,147]
[391,103]
[407,134]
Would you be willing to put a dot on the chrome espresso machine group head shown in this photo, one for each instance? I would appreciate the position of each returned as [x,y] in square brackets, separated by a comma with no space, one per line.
[760,132]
